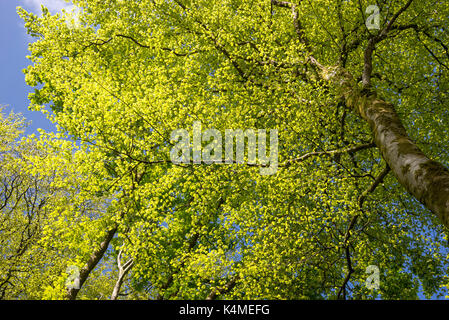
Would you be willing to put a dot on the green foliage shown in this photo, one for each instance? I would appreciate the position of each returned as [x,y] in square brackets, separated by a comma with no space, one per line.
[131,72]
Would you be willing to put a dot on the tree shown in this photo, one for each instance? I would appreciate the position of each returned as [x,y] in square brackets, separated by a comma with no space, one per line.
[360,113]
[37,187]
[26,197]
[20,207]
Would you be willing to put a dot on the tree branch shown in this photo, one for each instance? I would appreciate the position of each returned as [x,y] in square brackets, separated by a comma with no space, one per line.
[373,187]
[328,153]
[123,270]
[92,263]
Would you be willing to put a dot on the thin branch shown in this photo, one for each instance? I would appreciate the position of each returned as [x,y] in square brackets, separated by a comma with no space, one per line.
[373,187]
[388,27]
[328,153]
[296,22]
[123,270]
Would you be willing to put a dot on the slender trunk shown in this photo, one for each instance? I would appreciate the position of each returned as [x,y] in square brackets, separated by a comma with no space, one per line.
[92,263]
[118,284]
[425,179]
[117,287]
[122,271]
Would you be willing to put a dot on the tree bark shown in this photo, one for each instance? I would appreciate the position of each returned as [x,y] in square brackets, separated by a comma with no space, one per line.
[92,263]
[123,270]
[426,179]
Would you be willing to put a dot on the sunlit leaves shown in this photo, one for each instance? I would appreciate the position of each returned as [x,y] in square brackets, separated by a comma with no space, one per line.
[133,71]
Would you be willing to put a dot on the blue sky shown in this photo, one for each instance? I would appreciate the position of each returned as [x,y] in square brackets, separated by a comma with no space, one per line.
[14,49]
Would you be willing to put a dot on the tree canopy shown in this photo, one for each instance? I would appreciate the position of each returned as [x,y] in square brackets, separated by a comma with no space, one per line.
[361,116]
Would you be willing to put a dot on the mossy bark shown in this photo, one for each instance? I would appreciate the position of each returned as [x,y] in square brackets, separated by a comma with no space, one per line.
[425,179]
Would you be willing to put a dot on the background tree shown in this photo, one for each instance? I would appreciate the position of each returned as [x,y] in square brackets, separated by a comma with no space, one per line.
[20,209]
[359,112]
[25,199]
[43,218]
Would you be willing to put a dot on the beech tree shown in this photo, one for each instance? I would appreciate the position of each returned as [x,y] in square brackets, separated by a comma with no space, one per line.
[361,112]
[20,208]
[38,184]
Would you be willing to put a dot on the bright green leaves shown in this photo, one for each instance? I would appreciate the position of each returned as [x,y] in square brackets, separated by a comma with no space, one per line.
[131,72]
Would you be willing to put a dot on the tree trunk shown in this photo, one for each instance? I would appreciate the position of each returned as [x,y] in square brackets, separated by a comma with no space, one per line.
[425,179]
[122,271]
[92,263]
